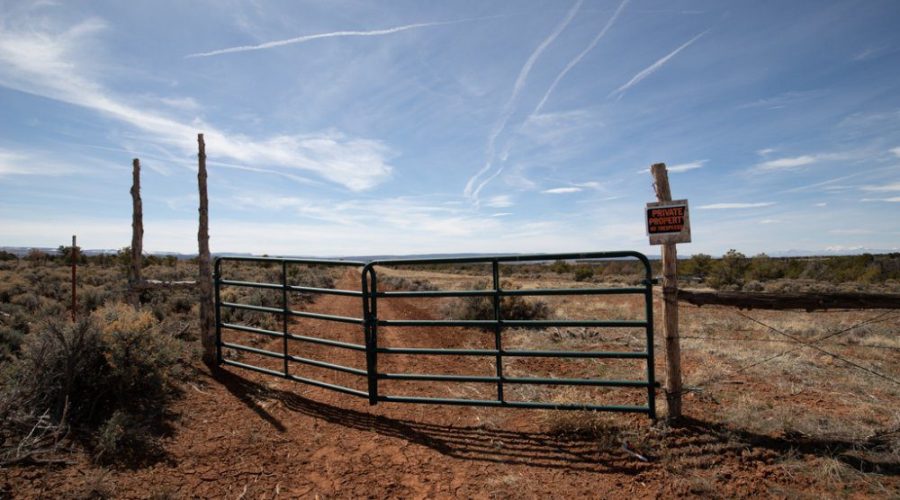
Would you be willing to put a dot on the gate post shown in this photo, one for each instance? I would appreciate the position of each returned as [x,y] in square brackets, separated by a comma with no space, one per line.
[370,329]
[670,304]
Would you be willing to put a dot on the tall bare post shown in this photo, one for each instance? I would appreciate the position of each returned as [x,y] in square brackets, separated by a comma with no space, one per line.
[74,281]
[207,328]
[670,303]
[137,232]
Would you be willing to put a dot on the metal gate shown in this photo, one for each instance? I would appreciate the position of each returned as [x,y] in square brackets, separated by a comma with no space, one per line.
[370,326]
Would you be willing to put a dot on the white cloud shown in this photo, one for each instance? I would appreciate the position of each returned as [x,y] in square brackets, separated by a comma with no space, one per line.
[684,167]
[896,152]
[894,199]
[22,163]
[501,214]
[886,187]
[725,206]
[680,167]
[786,163]
[769,221]
[54,65]
[822,204]
[654,67]
[765,151]
[562,190]
[500,201]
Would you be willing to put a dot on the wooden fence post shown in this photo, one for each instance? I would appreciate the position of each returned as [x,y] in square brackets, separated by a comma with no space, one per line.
[207,328]
[670,303]
[74,280]
[137,233]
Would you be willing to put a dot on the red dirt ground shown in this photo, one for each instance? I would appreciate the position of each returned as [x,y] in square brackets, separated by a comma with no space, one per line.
[241,434]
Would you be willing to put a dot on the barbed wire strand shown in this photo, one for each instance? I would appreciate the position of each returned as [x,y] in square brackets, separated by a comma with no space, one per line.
[813,345]
[714,380]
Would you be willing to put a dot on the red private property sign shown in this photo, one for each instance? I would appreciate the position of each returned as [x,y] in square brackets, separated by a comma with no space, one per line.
[668,222]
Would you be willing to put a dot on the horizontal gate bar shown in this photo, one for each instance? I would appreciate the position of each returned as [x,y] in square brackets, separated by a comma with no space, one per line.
[575,291]
[328,342]
[436,293]
[312,262]
[293,288]
[332,366]
[512,380]
[514,404]
[324,385]
[254,350]
[327,317]
[251,284]
[248,307]
[493,352]
[510,293]
[251,329]
[301,338]
[302,314]
[515,323]
[327,291]
[305,361]
[516,258]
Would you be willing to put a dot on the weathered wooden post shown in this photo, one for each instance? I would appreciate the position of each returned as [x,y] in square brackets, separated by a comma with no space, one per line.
[207,327]
[137,233]
[74,281]
[668,223]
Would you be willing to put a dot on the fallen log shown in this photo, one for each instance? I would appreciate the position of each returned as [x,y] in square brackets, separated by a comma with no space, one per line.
[782,301]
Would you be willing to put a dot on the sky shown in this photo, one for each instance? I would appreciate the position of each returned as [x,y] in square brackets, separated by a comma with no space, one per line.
[407,127]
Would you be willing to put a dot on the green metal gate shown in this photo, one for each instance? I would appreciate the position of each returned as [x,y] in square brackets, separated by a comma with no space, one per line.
[370,324]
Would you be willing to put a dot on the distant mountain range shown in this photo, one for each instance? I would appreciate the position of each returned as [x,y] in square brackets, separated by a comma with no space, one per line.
[829,252]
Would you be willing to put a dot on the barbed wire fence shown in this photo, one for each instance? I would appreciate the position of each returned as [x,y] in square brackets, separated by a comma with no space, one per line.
[798,344]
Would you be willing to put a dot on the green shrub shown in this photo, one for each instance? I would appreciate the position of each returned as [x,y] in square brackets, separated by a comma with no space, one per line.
[730,270]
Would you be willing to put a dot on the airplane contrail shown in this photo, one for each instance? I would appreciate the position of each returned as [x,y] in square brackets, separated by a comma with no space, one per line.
[580,56]
[333,34]
[655,66]
[508,108]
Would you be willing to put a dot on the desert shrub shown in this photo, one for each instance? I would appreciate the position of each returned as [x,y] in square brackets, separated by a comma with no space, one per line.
[699,265]
[584,273]
[124,437]
[482,308]
[12,286]
[10,340]
[107,377]
[91,297]
[401,283]
[28,301]
[729,271]
[560,267]
[256,297]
